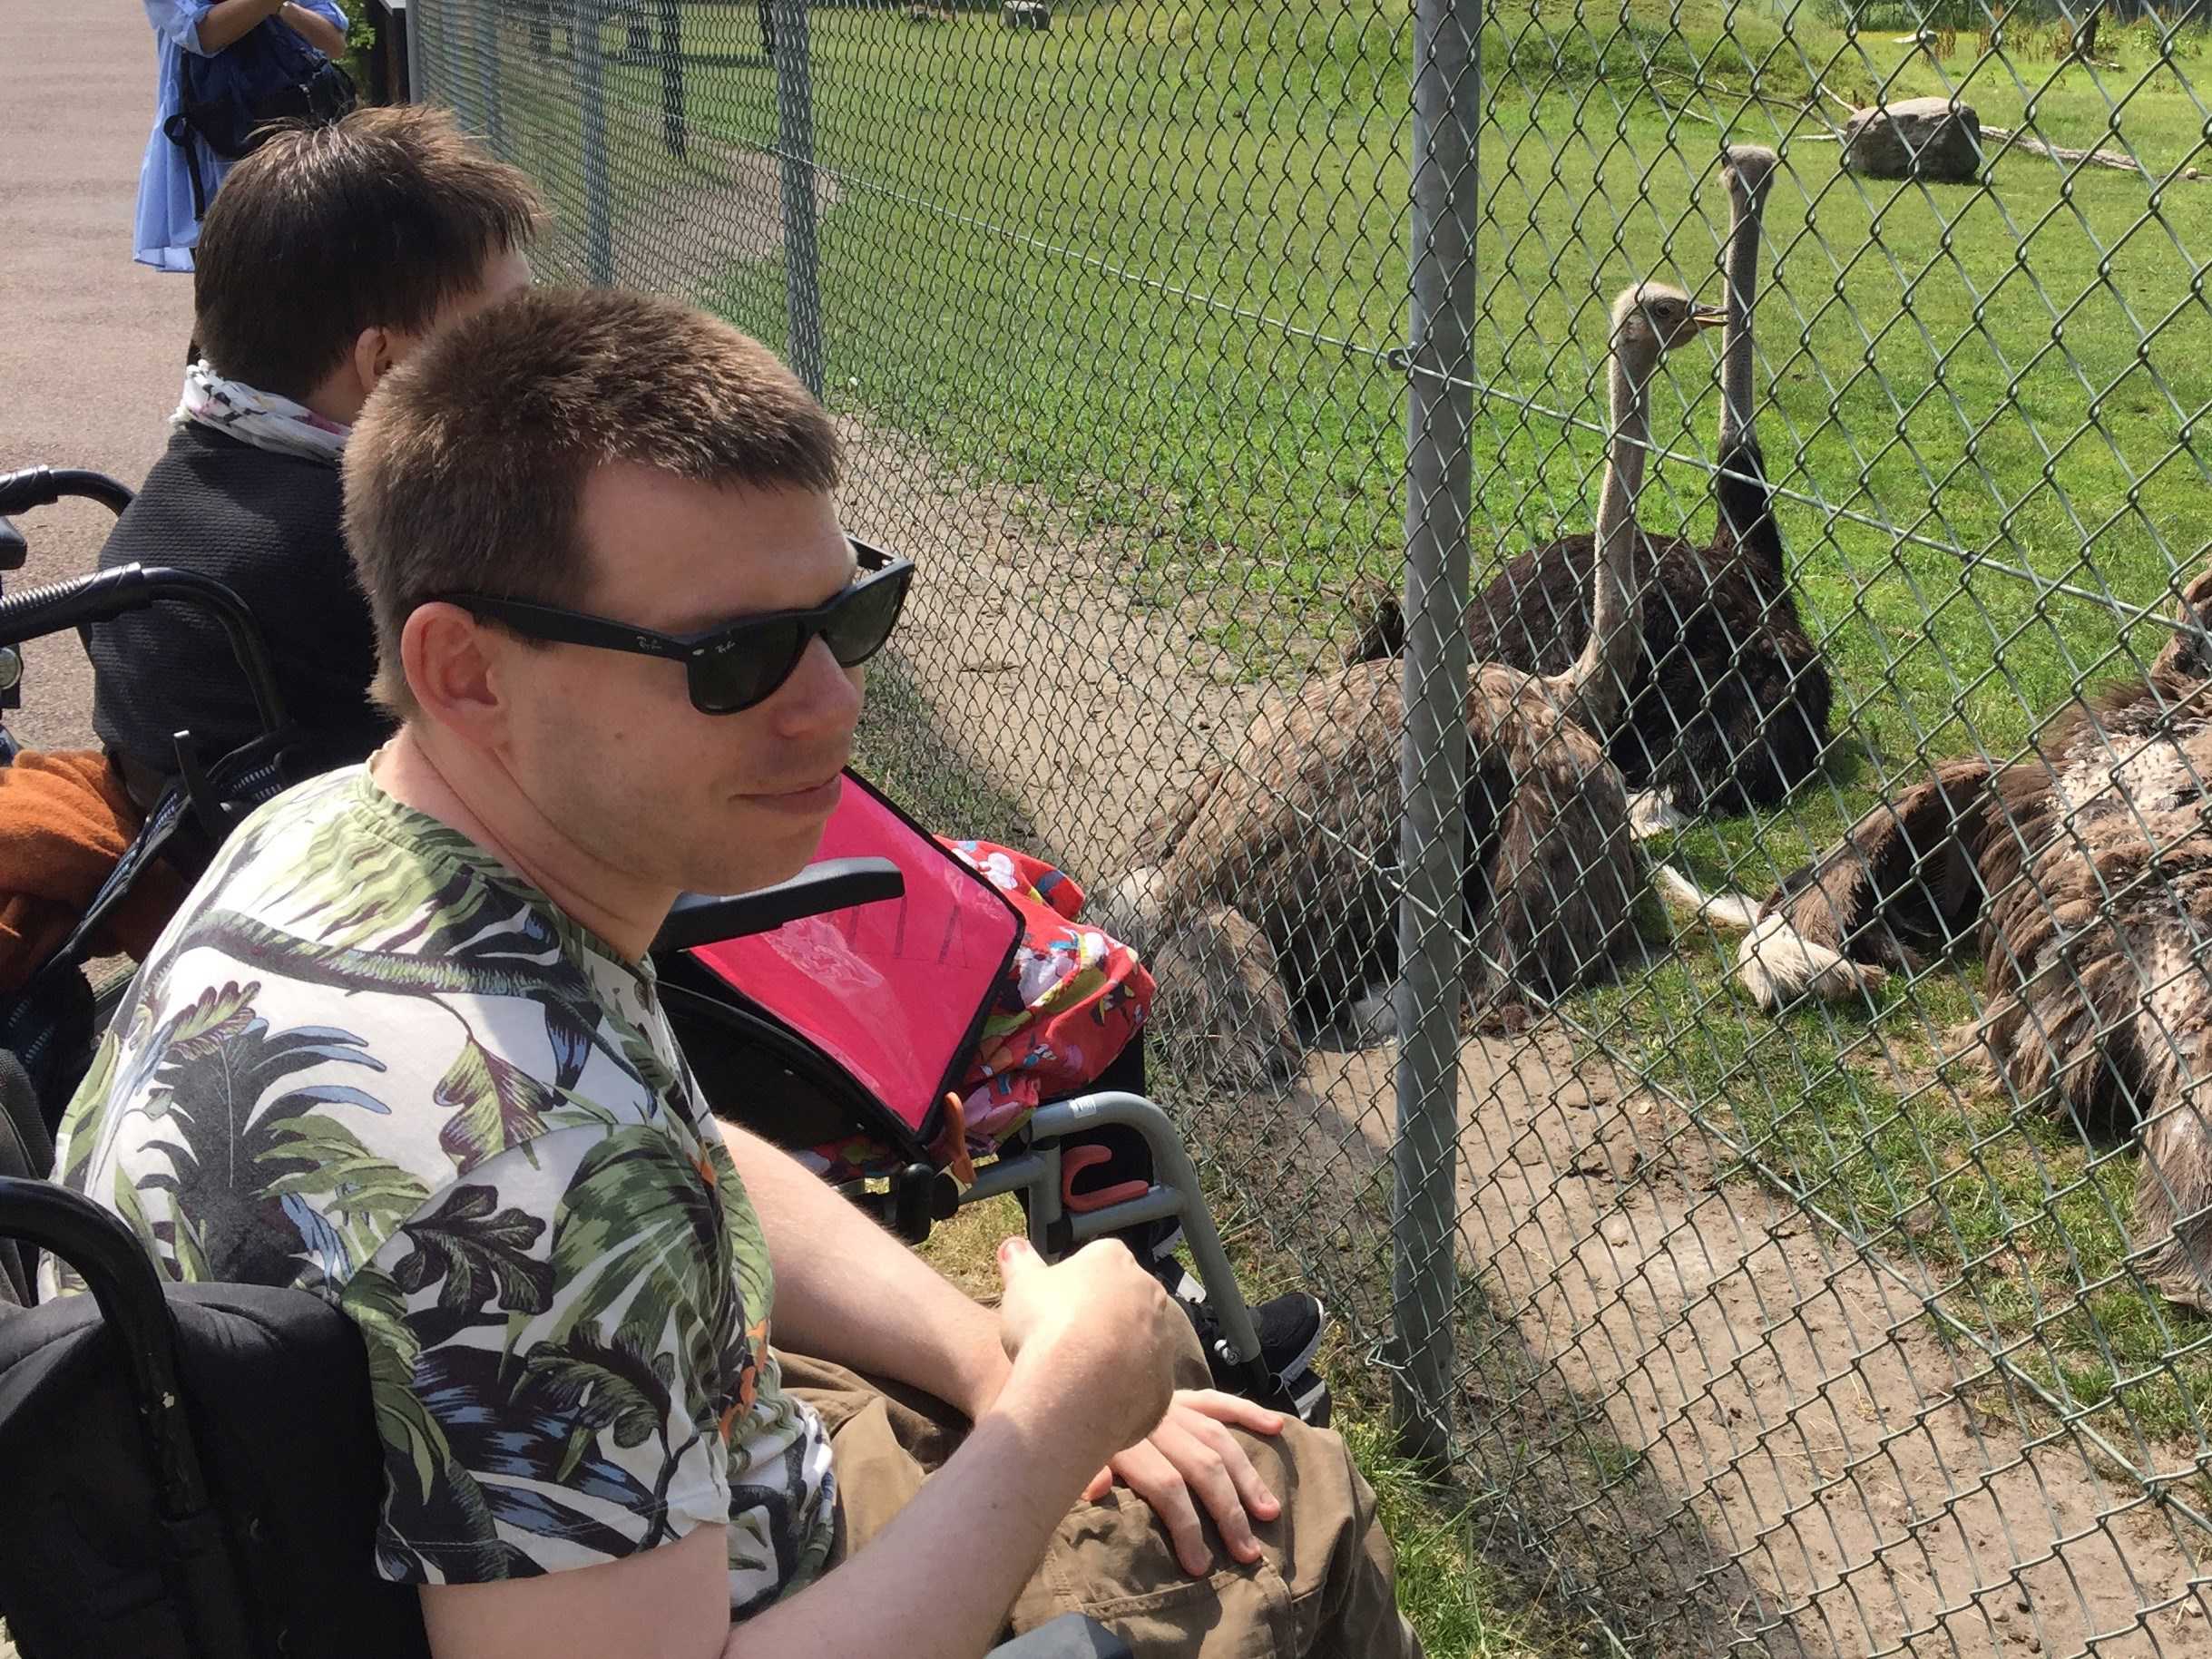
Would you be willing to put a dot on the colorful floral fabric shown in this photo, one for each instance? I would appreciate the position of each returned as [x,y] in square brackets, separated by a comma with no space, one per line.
[1070,1003]
[370,1061]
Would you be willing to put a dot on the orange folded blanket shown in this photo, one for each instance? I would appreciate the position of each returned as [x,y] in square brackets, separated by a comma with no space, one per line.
[64,819]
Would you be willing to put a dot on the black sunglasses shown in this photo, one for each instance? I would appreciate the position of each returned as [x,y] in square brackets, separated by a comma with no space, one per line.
[740,663]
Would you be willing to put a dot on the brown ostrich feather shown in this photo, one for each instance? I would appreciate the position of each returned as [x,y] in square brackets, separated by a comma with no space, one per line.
[1728,703]
[2087,864]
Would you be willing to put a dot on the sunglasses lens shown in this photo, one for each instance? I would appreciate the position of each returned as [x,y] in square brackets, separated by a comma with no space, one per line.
[864,617]
[753,658]
[748,669]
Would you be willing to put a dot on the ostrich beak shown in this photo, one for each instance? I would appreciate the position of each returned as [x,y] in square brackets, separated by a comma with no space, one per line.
[1710,317]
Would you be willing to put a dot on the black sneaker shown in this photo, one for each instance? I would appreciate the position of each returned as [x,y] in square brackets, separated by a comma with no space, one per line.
[1290,1327]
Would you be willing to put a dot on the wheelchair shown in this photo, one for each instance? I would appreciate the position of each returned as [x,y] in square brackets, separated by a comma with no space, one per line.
[170,1493]
[49,1028]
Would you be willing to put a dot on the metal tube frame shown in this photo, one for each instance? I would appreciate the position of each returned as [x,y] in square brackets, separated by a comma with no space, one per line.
[1175,1190]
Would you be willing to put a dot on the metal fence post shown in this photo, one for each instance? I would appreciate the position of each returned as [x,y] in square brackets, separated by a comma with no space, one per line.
[591,94]
[1434,761]
[795,144]
[411,23]
[672,131]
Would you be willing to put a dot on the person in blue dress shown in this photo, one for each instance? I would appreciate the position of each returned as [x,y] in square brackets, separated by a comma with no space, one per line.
[167,227]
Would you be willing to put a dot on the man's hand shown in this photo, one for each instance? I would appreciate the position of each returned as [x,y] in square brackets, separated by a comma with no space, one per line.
[1100,1311]
[1100,1328]
[1191,1459]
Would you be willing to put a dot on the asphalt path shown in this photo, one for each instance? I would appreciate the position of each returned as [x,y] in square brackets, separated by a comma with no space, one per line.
[92,344]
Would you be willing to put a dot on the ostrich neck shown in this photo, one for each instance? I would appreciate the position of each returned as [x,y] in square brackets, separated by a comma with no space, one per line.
[1589,692]
[1743,274]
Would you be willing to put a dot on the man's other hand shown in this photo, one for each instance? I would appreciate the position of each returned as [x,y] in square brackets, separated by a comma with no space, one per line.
[1191,1459]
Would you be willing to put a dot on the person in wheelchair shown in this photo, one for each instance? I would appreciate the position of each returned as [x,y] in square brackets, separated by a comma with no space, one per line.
[403,1048]
[329,255]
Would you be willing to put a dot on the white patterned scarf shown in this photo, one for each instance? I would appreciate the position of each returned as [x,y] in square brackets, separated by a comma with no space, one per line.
[263,419]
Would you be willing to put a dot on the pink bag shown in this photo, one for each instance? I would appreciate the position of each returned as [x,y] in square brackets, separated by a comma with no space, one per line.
[976,984]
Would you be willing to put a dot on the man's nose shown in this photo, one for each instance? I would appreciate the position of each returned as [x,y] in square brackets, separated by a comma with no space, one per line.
[819,697]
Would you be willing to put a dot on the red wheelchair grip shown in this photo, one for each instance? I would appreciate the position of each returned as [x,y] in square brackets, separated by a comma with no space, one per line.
[1073,1162]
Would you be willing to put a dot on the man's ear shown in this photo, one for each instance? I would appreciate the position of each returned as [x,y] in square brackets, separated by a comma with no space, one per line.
[377,352]
[452,663]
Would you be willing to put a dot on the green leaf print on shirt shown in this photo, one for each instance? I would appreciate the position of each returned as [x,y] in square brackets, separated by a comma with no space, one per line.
[197,1034]
[374,1303]
[495,1105]
[615,1384]
[365,1196]
[670,1272]
[221,1089]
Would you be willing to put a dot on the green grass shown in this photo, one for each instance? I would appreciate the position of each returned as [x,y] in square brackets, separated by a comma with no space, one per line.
[1146,263]
[1148,266]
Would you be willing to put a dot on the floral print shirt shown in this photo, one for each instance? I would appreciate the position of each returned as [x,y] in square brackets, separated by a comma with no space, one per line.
[368,1060]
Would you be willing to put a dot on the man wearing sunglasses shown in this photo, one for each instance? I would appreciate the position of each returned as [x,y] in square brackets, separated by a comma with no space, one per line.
[402,1046]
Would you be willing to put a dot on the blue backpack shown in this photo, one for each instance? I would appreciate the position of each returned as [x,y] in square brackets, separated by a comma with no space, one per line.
[232,100]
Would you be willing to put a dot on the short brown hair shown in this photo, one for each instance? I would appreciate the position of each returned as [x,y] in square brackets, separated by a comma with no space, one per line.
[377,220]
[466,471]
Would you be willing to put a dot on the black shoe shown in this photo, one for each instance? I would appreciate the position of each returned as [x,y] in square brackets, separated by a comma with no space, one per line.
[1290,1328]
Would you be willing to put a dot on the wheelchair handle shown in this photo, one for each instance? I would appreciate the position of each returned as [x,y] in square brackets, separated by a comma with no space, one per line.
[115,1269]
[42,486]
[106,594]
[834,883]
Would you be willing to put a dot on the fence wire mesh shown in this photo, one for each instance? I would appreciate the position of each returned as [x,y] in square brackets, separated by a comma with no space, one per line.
[1835,1286]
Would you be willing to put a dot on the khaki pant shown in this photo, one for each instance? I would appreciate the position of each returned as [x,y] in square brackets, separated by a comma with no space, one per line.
[1323,1587]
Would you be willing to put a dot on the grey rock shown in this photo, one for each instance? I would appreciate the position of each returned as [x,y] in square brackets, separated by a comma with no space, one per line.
[1935,140]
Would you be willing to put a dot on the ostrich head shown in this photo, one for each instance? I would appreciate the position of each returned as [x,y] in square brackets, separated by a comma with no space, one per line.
[1749,169]
[1653,318]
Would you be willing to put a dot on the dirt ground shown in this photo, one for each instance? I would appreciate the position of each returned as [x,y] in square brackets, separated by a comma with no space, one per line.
[1000,611]
[1801,1449]
[1738,1432]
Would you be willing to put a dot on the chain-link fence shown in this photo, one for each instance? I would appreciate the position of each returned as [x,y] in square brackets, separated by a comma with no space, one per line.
[1237,373]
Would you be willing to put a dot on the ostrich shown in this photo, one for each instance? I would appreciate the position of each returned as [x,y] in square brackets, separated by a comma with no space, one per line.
[2089,866]
[1272,889]
[1727,704]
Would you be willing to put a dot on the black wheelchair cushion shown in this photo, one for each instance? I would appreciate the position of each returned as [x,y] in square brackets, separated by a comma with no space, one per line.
[277,1389]
[51,1027]
[25,1152]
